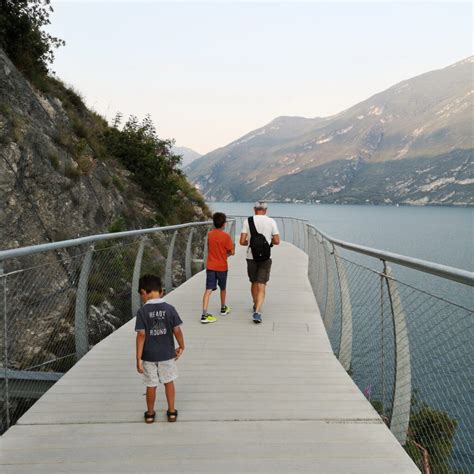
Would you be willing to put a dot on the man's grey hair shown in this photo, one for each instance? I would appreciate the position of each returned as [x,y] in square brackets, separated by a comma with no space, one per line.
[260,205]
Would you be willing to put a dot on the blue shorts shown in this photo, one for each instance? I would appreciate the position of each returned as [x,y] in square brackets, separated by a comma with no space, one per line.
[214,278]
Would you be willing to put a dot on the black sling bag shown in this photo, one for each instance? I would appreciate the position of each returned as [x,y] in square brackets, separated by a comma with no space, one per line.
[258,243]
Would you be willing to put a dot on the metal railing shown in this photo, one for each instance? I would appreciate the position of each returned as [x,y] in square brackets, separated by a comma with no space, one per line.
[58,300]
[409,349]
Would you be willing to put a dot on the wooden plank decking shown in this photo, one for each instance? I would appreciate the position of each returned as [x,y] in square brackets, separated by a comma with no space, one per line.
[251,398]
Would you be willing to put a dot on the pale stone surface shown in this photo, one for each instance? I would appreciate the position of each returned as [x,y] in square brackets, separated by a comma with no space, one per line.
[251,398]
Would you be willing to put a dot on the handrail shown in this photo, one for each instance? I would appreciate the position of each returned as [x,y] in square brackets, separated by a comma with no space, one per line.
[33,249]
[444,271]
[274,217]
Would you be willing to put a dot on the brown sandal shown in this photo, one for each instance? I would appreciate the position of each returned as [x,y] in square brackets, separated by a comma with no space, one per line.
[172,416]
[149,418]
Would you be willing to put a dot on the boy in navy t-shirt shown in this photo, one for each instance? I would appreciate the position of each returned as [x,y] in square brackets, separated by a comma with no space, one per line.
[157,324]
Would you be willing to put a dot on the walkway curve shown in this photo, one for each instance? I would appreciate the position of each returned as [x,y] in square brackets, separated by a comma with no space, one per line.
[267,398]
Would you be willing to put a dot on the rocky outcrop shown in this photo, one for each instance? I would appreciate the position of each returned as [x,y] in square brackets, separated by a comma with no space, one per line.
[53,186]
[57,182]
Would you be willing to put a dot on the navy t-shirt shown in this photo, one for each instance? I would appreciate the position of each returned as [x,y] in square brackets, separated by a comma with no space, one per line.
[158,319]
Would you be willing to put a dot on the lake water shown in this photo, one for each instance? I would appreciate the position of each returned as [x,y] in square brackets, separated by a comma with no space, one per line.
[437,234]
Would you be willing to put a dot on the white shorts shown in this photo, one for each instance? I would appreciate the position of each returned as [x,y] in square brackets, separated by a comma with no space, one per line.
[159,372]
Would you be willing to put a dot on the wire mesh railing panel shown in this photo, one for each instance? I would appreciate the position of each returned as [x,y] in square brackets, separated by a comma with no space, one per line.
[109,288]
[37,333]
[442,371]
[372,351]
[57,303]
[410,353]
[332,314]
[408,350]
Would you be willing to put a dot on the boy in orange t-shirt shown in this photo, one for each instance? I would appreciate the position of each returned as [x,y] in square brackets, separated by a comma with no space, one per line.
[219,247]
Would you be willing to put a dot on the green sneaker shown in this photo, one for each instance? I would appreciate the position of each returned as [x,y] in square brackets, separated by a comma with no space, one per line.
[225,310]
[208,318]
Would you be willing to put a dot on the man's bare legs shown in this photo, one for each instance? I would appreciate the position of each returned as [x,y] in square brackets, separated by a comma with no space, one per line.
[258,295]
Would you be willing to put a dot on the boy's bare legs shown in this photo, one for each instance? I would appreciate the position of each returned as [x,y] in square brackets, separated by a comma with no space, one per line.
[170,394]
[150,399]
[205,300]
[258,295]
[223,295]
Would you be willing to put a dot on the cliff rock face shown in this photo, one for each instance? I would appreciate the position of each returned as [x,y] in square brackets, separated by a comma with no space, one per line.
[58,181]
[52,186]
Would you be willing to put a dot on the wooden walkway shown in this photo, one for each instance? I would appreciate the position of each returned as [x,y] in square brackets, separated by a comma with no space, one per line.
[266,398]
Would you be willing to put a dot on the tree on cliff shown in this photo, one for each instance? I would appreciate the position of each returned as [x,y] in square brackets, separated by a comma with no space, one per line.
[21,36]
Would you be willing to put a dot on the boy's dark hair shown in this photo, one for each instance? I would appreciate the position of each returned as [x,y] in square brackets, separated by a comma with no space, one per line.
[219,219]
[150,283]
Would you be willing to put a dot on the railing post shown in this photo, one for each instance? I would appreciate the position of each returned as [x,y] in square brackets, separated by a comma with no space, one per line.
[311,262]
[169,264]
[284,228]
[320,274]
[298,234]
[345,344]
[189,256]
[232,231]
[326,277]
[136,277]
[400,418]
[301,235]
[3,306]
[330,299]
[80,319]
[306,237]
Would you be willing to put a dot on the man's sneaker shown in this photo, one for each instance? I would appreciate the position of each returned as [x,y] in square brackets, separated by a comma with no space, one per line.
[225,310]
[208,318]
[257,318]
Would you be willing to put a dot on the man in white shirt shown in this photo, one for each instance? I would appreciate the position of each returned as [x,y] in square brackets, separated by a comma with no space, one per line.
[259,271]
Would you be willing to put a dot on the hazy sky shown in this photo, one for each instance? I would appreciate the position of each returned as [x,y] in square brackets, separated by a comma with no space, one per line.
[208,73]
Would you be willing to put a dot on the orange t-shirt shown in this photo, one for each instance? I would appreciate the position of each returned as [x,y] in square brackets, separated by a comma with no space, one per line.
[219,244]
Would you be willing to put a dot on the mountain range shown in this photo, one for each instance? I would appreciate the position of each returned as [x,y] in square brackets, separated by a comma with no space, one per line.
[410,144]
[188,155]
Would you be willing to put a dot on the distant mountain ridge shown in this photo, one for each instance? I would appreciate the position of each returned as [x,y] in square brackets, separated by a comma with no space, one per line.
[411,143]
[188,155]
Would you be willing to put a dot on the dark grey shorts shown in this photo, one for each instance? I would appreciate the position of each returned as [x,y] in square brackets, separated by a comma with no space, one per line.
[259,272]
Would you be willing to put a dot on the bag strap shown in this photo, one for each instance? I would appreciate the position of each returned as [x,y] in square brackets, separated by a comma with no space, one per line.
[253,229]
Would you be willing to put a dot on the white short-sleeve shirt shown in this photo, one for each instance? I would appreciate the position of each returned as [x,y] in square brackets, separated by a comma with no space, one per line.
[265,225]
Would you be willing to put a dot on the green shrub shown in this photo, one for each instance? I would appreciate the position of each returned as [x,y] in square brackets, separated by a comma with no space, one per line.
[80,128]
[21,36]
[119,225]
[153,165]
